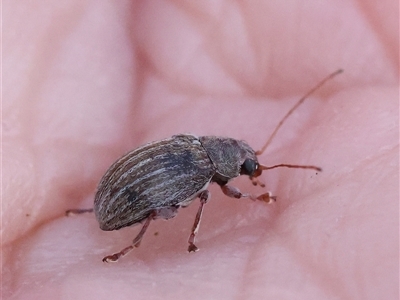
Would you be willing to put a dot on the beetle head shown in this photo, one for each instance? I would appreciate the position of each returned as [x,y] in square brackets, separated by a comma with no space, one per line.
[248,163]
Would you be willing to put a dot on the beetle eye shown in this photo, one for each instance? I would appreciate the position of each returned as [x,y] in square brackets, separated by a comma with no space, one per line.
[248,167]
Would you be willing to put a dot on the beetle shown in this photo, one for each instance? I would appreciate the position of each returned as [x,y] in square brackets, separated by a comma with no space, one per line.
[156,179]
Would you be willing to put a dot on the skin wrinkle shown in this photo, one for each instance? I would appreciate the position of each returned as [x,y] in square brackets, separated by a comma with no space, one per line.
[46,255]
[380,27]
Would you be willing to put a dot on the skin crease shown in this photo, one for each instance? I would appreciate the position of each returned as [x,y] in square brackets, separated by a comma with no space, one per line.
[85,81]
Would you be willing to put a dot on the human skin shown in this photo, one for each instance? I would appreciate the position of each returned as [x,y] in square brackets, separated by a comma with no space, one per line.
[86,81]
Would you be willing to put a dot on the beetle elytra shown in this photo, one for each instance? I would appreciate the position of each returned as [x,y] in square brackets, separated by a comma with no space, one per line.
[156,179]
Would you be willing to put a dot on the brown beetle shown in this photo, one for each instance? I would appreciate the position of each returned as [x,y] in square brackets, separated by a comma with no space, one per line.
[155,180]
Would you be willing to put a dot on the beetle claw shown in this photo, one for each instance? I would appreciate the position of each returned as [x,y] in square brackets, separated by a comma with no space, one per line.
[192,248]
[112,258]
[267,198]
[256,182]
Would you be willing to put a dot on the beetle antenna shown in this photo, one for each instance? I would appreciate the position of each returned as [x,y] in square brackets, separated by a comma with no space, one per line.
[298,103]
[262,167]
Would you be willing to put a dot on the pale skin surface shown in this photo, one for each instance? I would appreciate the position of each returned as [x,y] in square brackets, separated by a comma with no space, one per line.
[85,81]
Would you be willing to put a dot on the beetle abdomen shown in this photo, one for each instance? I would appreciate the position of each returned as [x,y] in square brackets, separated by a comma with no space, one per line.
[166,173]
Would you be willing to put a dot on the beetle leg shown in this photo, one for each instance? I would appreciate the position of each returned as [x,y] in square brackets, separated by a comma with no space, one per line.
[233,192]
[71,212]
[256,182]
[135,243]
[204,195]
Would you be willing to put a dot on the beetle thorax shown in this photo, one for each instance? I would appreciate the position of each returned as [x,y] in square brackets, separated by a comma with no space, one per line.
[228,156]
